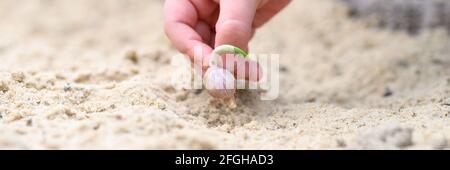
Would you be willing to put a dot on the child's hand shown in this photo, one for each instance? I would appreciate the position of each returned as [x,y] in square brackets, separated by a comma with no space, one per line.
[210,23]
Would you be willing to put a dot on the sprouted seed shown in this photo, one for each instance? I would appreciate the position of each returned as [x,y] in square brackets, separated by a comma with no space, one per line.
[219,82]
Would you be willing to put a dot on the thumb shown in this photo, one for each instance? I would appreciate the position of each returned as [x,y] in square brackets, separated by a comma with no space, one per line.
[234,25]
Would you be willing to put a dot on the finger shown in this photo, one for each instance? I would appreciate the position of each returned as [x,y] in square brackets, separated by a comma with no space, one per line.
[180,22]
[205,8]
[268,11]
[234,25]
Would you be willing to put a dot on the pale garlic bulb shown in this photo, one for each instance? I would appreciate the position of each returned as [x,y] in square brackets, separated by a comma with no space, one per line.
[219,82]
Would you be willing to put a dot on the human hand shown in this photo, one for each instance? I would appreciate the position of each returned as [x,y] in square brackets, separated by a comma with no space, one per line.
[207,24]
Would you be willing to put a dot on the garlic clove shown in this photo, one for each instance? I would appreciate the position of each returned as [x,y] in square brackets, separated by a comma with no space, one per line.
[220,83]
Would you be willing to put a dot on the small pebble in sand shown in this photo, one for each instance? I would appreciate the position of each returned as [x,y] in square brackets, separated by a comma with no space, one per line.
[29,121]
[161,105]
[132,56]
[82,77]
[198,91]
[19,77]
[341,143]
[3,86]
[388,92]
[169,89]
[284,69]
[67,87]
[181,96]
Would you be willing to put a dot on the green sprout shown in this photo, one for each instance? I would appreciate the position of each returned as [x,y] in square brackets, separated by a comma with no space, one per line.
[226,49]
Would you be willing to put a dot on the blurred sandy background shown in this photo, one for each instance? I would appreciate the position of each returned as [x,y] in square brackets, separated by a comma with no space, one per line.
[95,74]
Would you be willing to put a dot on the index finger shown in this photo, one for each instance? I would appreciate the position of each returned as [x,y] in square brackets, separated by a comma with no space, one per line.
[180,19]
[235,22]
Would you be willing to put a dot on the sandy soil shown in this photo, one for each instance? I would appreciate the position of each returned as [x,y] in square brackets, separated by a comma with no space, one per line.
[95,75]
